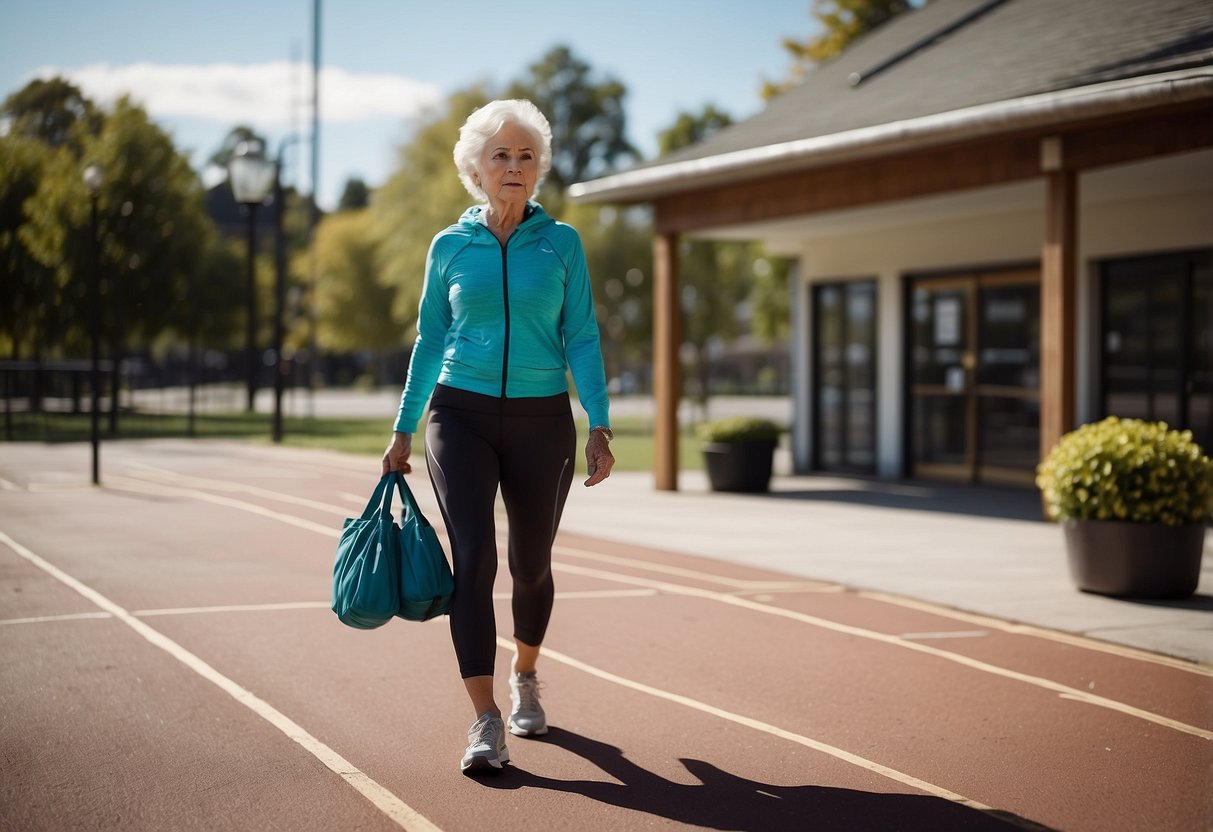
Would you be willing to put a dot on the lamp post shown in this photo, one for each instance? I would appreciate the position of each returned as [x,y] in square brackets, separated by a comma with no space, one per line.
[279,289]
[94,178]
[251,175]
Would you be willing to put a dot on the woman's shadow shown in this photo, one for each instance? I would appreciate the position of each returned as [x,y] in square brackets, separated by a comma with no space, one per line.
[725,801]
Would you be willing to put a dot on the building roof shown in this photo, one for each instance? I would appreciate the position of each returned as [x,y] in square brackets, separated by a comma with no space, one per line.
[957,55]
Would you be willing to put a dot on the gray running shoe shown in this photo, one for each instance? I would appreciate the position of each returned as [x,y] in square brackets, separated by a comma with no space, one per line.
[486,751]
[526,718]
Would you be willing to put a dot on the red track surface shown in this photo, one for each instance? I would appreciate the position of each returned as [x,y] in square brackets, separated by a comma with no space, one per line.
[681,691]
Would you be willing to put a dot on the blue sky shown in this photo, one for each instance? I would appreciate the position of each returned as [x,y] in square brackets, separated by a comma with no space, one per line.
[202,67]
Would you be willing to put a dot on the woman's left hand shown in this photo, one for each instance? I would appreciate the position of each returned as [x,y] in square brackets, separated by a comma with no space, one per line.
[598,458]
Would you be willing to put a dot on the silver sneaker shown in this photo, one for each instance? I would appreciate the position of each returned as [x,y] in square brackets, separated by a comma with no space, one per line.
[526,717]
[486,750]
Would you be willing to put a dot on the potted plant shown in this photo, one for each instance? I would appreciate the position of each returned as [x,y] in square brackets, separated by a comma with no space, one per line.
[1133,498]
[738,453]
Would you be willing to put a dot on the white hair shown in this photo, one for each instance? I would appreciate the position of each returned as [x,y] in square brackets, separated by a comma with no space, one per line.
[484,123]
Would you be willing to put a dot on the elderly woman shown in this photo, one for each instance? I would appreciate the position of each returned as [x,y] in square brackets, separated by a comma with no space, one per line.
[506,309]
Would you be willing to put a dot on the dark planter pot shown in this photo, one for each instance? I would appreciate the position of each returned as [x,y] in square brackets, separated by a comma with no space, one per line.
[739,466]
[1135,560]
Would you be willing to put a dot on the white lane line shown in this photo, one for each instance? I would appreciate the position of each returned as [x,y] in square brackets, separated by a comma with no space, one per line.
[294,605]
[1083,642]
[895,641]
[946,634]
[152,474]
[138,487]
[759,725]
[41,619]
[590,593]
[695,574]
[5,485]
[405,816]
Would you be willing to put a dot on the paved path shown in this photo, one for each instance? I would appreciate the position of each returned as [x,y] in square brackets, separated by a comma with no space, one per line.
[169,662]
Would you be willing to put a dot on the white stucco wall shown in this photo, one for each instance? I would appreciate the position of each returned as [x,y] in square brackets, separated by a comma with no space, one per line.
[984,231]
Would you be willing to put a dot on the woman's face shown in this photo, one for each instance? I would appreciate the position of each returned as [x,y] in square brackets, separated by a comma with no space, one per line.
[509,166]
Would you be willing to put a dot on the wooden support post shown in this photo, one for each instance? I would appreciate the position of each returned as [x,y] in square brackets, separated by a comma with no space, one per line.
[1058,278]
[667,381]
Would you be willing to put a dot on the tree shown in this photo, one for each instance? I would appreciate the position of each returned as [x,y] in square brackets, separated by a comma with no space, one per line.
[355,195]
[586,114]
[53,111]
[152,229]
[689,129]
[25,291]
[353,307]
[234,138]
[842,22]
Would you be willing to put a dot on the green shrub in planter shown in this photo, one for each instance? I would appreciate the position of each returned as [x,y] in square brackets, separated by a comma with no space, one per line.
[738,429]
[738,453]
[1127,470]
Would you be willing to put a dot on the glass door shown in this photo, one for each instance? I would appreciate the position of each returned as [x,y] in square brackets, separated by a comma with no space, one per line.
[974,377]
[844,395]
[1157,340]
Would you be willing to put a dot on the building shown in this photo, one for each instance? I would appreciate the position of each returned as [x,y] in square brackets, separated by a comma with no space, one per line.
[1002,216]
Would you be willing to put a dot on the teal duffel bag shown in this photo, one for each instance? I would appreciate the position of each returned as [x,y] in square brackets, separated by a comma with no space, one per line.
[366,573]
[426,583]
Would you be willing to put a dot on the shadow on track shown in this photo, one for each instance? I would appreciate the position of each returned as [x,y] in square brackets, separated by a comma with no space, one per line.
[726,801]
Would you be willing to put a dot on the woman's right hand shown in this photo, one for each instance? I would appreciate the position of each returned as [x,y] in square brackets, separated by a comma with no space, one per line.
[396,457]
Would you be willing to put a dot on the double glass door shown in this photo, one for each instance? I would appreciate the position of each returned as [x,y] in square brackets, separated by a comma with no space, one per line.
[974,377]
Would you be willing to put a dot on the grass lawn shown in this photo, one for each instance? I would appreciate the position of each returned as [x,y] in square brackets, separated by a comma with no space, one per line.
[633,444]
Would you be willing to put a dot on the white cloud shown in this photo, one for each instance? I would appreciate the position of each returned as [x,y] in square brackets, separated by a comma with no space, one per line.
[261,95]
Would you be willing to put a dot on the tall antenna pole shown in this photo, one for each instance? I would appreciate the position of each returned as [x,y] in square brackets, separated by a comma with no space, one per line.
[314,216]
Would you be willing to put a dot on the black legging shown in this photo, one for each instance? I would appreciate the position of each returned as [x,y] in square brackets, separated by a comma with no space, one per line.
[475,443]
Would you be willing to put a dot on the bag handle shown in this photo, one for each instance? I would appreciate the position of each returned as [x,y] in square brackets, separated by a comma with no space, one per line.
[381,499]
[410,502]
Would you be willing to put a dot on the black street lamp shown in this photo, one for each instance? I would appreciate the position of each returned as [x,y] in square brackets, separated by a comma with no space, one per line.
[251,175]
[94,178]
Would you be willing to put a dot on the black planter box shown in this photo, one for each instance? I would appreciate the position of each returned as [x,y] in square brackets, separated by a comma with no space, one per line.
[739,466]
[1134,560]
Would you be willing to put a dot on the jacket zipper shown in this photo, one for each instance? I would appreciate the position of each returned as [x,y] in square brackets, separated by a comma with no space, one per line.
[505,294]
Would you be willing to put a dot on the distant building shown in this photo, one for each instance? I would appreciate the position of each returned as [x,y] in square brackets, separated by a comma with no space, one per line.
[1002,215]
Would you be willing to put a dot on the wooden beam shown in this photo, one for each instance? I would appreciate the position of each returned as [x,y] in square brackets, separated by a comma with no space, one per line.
[977,164]
[865,182]
[1058,278]
[667,381]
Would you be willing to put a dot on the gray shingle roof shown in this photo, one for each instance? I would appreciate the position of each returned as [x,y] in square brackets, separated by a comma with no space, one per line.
[1015,48]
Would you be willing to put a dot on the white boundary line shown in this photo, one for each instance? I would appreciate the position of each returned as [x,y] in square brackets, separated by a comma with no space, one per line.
[403,815]
[1065,691]
[43,619]
[758,725]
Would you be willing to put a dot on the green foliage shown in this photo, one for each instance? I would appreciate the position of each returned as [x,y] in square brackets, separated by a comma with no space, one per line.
[52,111]
[353,308]
[842,22]
[738,429]
[689,129]
[1127,469]
[355,195]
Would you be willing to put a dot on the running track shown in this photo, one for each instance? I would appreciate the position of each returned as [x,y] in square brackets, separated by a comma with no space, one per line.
[170,662]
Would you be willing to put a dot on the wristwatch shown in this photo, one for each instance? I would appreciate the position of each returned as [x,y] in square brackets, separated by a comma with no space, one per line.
[604,430]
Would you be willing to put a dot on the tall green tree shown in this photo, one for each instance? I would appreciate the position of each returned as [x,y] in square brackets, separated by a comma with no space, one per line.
[152,227]
[840,23]
[353,307]
[26,290]
[53,111]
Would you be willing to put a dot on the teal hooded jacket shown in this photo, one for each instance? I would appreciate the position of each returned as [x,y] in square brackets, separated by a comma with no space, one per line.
[506,319]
